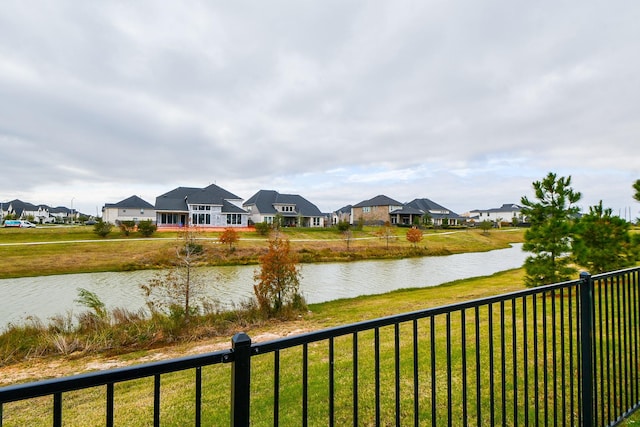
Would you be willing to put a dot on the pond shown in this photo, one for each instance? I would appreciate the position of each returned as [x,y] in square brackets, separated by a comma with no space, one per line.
[47,296]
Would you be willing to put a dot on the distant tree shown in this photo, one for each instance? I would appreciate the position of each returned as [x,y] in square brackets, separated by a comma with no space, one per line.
[386,232]
[426,219]
[602,242]
[147,228]
[549,237]
[485,226]
[127,227]
[229,237]
[102,228]
[414,235]
[636,187]
[176,291]
[343,225]
[262,228]
[347,236]
[278,281]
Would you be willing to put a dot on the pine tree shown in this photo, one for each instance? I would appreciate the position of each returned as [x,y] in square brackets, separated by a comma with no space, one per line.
[602,242]
[549,237]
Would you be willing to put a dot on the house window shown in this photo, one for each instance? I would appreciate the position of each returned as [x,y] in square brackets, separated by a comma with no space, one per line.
[201,219]
[234,219]
[316,222]
[366,209]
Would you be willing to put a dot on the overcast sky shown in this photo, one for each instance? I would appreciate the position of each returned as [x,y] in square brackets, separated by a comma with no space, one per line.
[462,102]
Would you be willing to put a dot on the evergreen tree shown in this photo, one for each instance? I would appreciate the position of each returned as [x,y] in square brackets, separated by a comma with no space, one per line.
[549,237]
[602,242]
[636,187]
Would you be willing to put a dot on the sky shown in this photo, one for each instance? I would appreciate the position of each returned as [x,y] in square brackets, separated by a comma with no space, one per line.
[466,103]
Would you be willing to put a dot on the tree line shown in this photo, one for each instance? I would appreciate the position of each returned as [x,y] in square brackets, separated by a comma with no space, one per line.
[561,240]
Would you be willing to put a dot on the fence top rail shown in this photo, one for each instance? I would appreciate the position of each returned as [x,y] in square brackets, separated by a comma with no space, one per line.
[324,334]
[92,379]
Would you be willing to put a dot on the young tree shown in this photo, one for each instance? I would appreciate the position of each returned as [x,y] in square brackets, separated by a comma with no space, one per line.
[636,187]
[602,241]
[386,232]
[347,236]
[177,290]
[278,281]
[414,235]
[102,228]
[228,237]
[549,237]
[485,226]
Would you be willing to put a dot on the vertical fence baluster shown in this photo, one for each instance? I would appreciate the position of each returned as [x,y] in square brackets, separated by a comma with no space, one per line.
[492,394]
[377,372]
[536,382]
[241,380]
[331,382]
[305,384]
[478,371]
[57,410]
[448,349]
[514,354]
[109,412]
[276,387]
[432,343]
[355,379]
[503,366]
[525,361]
[463,348]
[416,393]
[396,356]
[586,340]
[156,400]
[198,406]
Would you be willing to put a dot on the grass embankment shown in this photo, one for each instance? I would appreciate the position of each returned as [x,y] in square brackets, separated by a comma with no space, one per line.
[63,250]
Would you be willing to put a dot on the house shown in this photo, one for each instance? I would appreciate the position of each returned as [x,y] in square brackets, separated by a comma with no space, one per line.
[421,209]
[508,212]
[38,213]
[341,215]
[295,210]
[375,210]
[131,209]
[207,207]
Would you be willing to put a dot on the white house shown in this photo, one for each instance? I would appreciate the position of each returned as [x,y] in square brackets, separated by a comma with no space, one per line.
[508,212]
[209,207]
[131,209]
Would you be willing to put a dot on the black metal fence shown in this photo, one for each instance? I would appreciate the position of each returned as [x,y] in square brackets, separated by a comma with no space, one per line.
[566,354]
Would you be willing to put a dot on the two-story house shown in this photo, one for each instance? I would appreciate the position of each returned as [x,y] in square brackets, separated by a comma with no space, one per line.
[209,207]
[295,210]
[508,212]
[375,211]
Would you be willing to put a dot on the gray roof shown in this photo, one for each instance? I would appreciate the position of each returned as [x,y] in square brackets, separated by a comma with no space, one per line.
[266,200]
[379,200]
[426,206]
[506,207]
[177,199]
[133,202]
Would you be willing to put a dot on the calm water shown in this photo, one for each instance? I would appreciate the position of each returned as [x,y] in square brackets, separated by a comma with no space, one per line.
[47,296]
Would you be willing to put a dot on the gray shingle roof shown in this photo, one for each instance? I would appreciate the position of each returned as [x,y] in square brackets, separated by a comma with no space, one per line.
[131,202]
[265,201]
[380,200]
[176,200]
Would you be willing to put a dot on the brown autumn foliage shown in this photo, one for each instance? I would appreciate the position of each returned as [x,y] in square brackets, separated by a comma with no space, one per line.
[278,281]
[414,235]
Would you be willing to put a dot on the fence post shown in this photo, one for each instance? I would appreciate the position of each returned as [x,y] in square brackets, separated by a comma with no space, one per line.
[586,348]
[240,380]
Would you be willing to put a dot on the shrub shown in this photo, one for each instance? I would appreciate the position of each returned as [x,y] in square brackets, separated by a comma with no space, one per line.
[147,228]
[102,228]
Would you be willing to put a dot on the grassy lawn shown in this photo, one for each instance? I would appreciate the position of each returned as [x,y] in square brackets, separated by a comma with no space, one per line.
[63,250]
